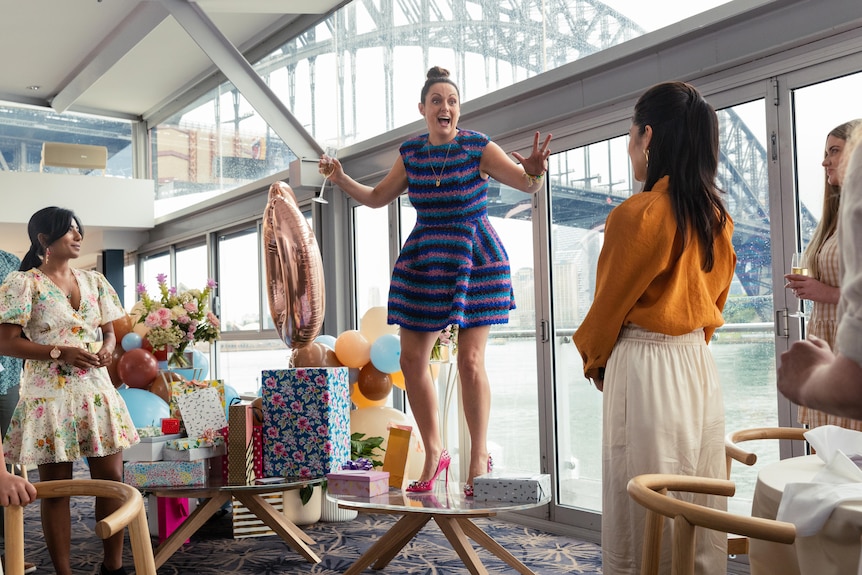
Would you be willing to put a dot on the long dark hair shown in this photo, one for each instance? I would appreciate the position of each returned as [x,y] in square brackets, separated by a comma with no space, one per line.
[684,146]
[53,223]
[434,76]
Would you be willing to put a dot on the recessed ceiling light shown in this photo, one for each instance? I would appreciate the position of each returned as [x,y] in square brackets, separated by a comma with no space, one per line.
[34,88]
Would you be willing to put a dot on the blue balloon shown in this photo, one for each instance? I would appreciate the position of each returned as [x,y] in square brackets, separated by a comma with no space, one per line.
[145,408]
[327,340]
[231,397]
[386,353]
[201,364]
[131,341]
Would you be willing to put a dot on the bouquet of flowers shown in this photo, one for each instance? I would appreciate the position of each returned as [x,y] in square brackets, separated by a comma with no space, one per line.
[176,319]
[447,339]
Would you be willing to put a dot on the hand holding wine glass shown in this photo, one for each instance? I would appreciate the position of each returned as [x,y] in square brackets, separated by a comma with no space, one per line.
[95,345]
[798,266]
[326,168]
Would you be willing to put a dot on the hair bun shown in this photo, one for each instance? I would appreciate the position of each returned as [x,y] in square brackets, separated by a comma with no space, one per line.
[437,73]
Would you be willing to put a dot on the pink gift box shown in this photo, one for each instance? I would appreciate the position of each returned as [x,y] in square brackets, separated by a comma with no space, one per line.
[358,483]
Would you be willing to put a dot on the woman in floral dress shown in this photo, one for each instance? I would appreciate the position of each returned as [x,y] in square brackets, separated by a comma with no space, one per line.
[68,407]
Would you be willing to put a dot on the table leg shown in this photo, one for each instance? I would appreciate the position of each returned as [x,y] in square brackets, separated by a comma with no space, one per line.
[188,527]
[391,543]
[451,528]
[485,540]
[290,533]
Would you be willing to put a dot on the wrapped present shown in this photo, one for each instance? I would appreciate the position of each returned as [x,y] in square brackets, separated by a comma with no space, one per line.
[184,387]
[194,453]
[165,514]
[395,458]
[512,486]
[306,421]
[151,448]
[240,450]
[165,473]
[185,443]
[247,524]
[257,446]
[170,425]
[358,483]
[203,412]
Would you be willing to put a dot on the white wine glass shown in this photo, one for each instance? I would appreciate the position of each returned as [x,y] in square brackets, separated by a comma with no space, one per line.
[799,266]
[328,155]
[95,345]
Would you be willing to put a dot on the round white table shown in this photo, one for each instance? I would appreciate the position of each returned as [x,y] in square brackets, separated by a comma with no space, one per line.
[835,550]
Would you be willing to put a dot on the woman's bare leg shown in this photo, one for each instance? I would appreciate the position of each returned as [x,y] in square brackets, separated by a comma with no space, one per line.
[475,395]
[109,467]
[415,359]
[56,518]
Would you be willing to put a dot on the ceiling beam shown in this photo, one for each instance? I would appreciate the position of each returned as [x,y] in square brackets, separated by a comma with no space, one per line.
[236,68]
[134,28]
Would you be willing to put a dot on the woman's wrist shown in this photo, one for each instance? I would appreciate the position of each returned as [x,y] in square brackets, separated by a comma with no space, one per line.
[532,179]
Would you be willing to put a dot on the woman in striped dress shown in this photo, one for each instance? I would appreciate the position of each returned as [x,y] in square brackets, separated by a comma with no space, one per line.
[821,285]
[453,269]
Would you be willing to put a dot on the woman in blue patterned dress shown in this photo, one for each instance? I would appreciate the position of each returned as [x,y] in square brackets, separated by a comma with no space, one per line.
[68,407]
[453,269]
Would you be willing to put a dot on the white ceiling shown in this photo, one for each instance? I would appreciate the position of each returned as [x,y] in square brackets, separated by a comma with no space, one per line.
[132,59]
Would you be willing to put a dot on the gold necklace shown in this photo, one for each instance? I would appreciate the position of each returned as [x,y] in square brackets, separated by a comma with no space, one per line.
[57,283]
[443,167]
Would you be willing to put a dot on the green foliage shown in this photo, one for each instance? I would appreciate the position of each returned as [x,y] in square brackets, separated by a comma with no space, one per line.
[366,448]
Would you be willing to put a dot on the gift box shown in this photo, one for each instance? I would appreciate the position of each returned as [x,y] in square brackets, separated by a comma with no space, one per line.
[240,449]
[203,412]
[395,458]
[306,421]
[151,448]
[194,453]
[247,524]
[166,514]
[512,486]
[184,387]
[170,425]
[358,483]
[165,473]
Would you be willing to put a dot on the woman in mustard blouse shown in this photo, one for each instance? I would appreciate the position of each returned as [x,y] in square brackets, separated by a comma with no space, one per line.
[663,276]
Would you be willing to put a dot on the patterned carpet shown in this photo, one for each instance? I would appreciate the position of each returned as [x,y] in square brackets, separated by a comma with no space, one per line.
[213,550]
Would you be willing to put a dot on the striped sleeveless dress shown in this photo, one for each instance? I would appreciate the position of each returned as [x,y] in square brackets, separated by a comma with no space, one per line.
[453,268]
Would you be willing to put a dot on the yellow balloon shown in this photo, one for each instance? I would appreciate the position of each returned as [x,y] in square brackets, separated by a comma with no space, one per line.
[361,401]
[398,379]
[352,349]
[376,421]
[373,324]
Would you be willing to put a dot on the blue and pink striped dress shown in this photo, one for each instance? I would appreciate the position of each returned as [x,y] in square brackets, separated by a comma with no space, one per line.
[453,268]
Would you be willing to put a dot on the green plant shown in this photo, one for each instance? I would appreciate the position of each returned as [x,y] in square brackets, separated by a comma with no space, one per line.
[364,448]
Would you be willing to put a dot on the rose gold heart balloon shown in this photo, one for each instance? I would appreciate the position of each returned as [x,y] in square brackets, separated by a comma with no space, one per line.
[294,270]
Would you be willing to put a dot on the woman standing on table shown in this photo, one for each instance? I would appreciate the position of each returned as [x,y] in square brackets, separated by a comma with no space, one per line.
[821,285]
[68,407]
[453,268]
[663,276]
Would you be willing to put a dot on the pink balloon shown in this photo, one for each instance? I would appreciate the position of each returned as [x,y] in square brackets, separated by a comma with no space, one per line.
[137,368]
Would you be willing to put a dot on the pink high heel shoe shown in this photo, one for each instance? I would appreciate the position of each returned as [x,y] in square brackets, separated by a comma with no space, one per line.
[425,486]
[468,487]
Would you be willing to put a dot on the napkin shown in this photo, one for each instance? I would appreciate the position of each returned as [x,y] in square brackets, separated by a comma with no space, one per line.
[808,505]
[827,439]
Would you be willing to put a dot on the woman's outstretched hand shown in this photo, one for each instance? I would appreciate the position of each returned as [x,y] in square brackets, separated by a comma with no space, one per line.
[330,168]
[536,164]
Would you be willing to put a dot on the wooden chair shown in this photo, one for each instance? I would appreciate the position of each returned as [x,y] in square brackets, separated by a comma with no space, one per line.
[130,513]
[737,545]
[650,491]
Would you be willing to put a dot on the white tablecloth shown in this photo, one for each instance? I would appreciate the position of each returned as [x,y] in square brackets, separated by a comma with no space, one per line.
[834,550]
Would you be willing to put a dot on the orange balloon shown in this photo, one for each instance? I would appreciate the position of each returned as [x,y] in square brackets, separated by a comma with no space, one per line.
[257,410]
[373,383]
[114,366]
[398,379]
[361,401]
[352,349]
[122,326]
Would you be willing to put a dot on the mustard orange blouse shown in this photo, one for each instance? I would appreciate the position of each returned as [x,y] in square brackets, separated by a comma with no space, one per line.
[644,277]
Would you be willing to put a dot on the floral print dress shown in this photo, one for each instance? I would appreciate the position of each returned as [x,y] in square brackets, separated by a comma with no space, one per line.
[64,413]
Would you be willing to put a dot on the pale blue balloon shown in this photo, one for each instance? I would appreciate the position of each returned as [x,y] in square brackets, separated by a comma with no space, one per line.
[231,397]
[327,340]
[386,353]
[201,364]
[145,408]
[131,341]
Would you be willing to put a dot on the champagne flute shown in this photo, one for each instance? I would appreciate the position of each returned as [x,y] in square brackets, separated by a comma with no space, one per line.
[95,345]
[329,154]
[799,266]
